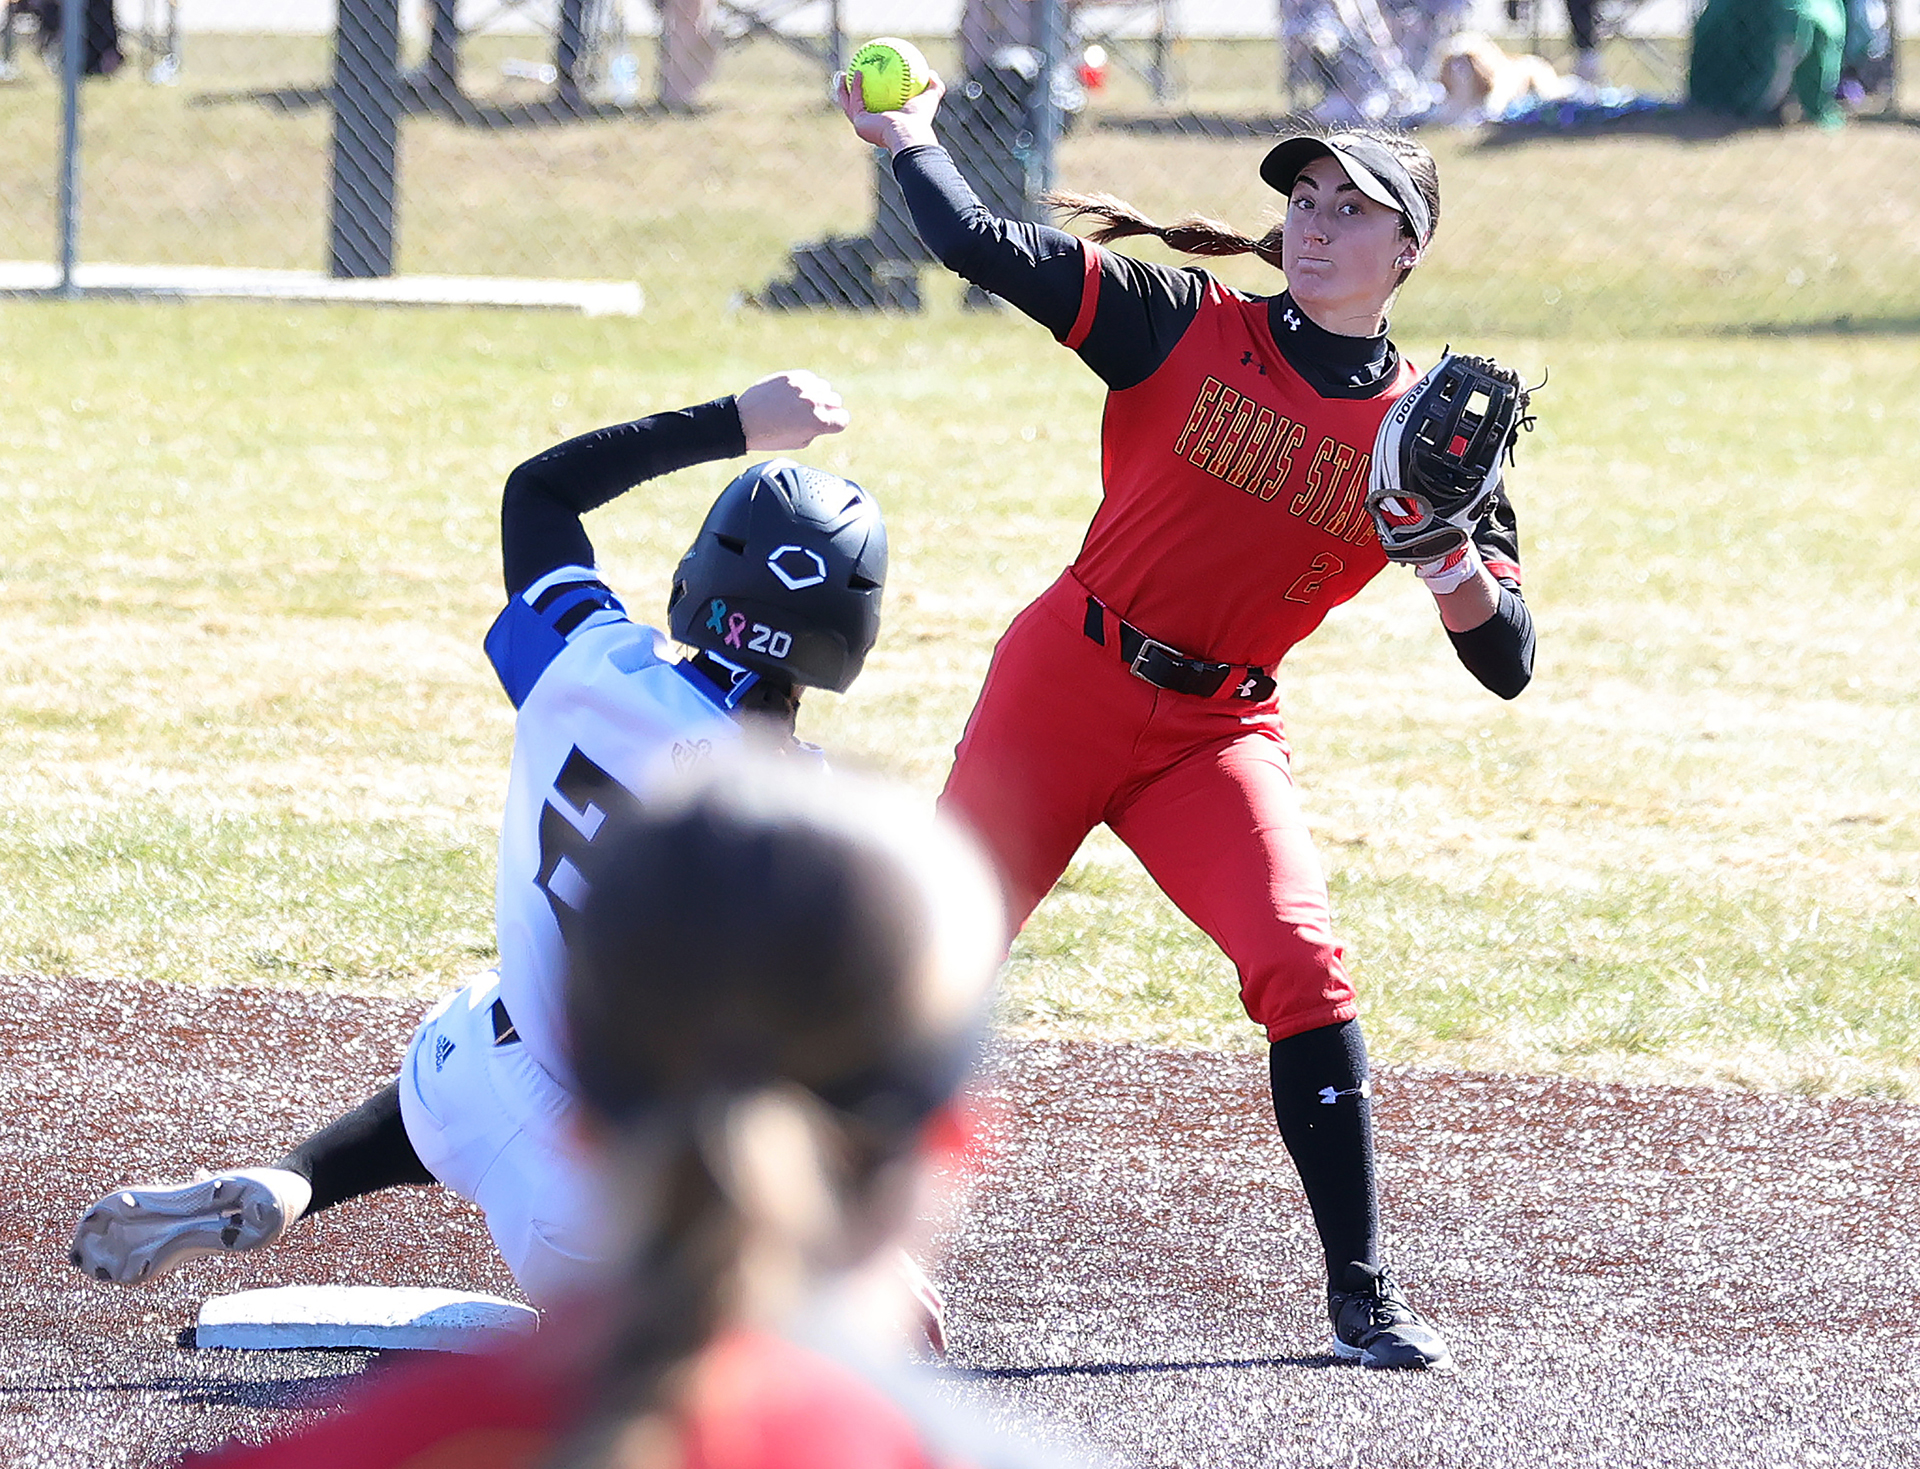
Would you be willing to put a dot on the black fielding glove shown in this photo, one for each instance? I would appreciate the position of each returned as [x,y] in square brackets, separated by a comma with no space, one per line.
[1437,457]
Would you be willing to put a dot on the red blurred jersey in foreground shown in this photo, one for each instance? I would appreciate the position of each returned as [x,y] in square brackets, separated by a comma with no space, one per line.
[756,1401]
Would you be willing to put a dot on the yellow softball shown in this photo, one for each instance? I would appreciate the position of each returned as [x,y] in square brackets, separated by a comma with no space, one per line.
[891,70]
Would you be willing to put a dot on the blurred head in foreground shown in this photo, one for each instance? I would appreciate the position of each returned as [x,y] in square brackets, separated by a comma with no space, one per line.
[778,986]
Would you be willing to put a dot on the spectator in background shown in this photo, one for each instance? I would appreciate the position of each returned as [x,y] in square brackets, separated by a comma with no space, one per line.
[1422,29]
[1867,66]
[777,989]
[1586,42]
[1750,55]
[1348,48]
[988,27]
[689,51]
[100,54]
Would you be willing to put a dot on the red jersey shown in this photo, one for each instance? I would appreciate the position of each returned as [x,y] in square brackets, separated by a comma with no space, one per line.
[755,1402]
[1234,516]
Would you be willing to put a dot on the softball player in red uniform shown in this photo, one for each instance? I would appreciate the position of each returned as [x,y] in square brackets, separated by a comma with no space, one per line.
[1138,690]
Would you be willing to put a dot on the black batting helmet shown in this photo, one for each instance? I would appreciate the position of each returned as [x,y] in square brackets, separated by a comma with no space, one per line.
[785,576]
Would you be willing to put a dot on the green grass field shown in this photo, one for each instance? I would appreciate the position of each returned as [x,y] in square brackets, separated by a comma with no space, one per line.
[249,735]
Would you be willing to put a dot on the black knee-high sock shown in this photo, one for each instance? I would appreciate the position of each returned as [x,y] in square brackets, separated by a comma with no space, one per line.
[365,1150]
[1321,1099]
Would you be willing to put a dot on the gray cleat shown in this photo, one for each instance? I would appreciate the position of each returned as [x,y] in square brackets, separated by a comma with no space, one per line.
[135,1234]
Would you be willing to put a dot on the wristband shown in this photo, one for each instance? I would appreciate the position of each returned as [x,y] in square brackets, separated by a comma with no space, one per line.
[1450,572]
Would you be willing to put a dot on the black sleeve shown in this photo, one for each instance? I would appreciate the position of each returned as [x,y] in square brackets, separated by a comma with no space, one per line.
[1143,308]
[1499,652]
[1497,538]
[540,511]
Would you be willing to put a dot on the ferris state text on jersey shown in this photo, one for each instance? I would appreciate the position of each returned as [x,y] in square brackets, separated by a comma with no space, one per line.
[1254,448]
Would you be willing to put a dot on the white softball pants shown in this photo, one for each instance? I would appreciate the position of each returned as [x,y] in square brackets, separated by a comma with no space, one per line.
[492,1125]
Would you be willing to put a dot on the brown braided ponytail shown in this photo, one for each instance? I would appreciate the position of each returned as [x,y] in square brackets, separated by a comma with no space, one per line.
[1193,235]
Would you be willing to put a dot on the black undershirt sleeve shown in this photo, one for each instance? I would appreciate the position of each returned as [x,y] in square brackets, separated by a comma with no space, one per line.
[1144,311]
[540,510]
[1032,266]
[1143,308]
[1499,652]
[1497,538]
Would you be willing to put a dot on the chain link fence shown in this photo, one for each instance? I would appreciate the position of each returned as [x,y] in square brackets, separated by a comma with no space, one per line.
[1607,164]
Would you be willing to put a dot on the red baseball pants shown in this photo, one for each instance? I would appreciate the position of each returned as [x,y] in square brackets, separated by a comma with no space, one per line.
[1064,737]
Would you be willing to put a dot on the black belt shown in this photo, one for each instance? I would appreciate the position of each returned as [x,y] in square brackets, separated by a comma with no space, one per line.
[503,1032]
[1168,668]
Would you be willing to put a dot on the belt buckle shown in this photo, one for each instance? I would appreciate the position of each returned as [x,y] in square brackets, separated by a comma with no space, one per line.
[1149,646]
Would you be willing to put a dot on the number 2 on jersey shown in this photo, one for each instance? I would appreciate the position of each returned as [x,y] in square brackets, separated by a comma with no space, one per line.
[1324,569]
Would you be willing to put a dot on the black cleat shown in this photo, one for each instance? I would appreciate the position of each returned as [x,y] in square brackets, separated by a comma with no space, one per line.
[1374,1326]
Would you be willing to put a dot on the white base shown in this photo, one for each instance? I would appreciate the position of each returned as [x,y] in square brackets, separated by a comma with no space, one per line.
[416,1318]
[201,282]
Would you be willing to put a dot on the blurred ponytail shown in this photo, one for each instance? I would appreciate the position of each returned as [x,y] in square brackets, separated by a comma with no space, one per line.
[775,984]
[742,1203]
[675,1291]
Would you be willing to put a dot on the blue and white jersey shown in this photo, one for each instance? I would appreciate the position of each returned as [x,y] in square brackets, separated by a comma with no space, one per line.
[603,713]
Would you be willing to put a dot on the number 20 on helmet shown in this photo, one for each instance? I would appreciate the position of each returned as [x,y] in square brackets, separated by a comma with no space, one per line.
[785,576]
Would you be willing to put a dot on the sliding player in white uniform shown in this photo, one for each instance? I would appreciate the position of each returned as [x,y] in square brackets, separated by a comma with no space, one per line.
[780,590]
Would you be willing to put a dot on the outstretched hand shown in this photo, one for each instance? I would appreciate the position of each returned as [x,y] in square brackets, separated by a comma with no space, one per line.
[908,127]
[789,410]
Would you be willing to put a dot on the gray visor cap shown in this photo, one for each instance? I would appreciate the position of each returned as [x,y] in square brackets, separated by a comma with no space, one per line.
[1372,166]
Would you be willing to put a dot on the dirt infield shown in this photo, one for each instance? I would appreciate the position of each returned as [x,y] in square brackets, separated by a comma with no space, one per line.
[1630,1276]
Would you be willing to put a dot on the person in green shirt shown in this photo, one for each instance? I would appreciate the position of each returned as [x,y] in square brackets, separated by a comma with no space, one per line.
[1748,55]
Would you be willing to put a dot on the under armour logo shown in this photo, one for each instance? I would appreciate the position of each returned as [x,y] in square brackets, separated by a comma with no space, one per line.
[1328,1096]
[442,1048]
[1290,319]
[1246,360]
